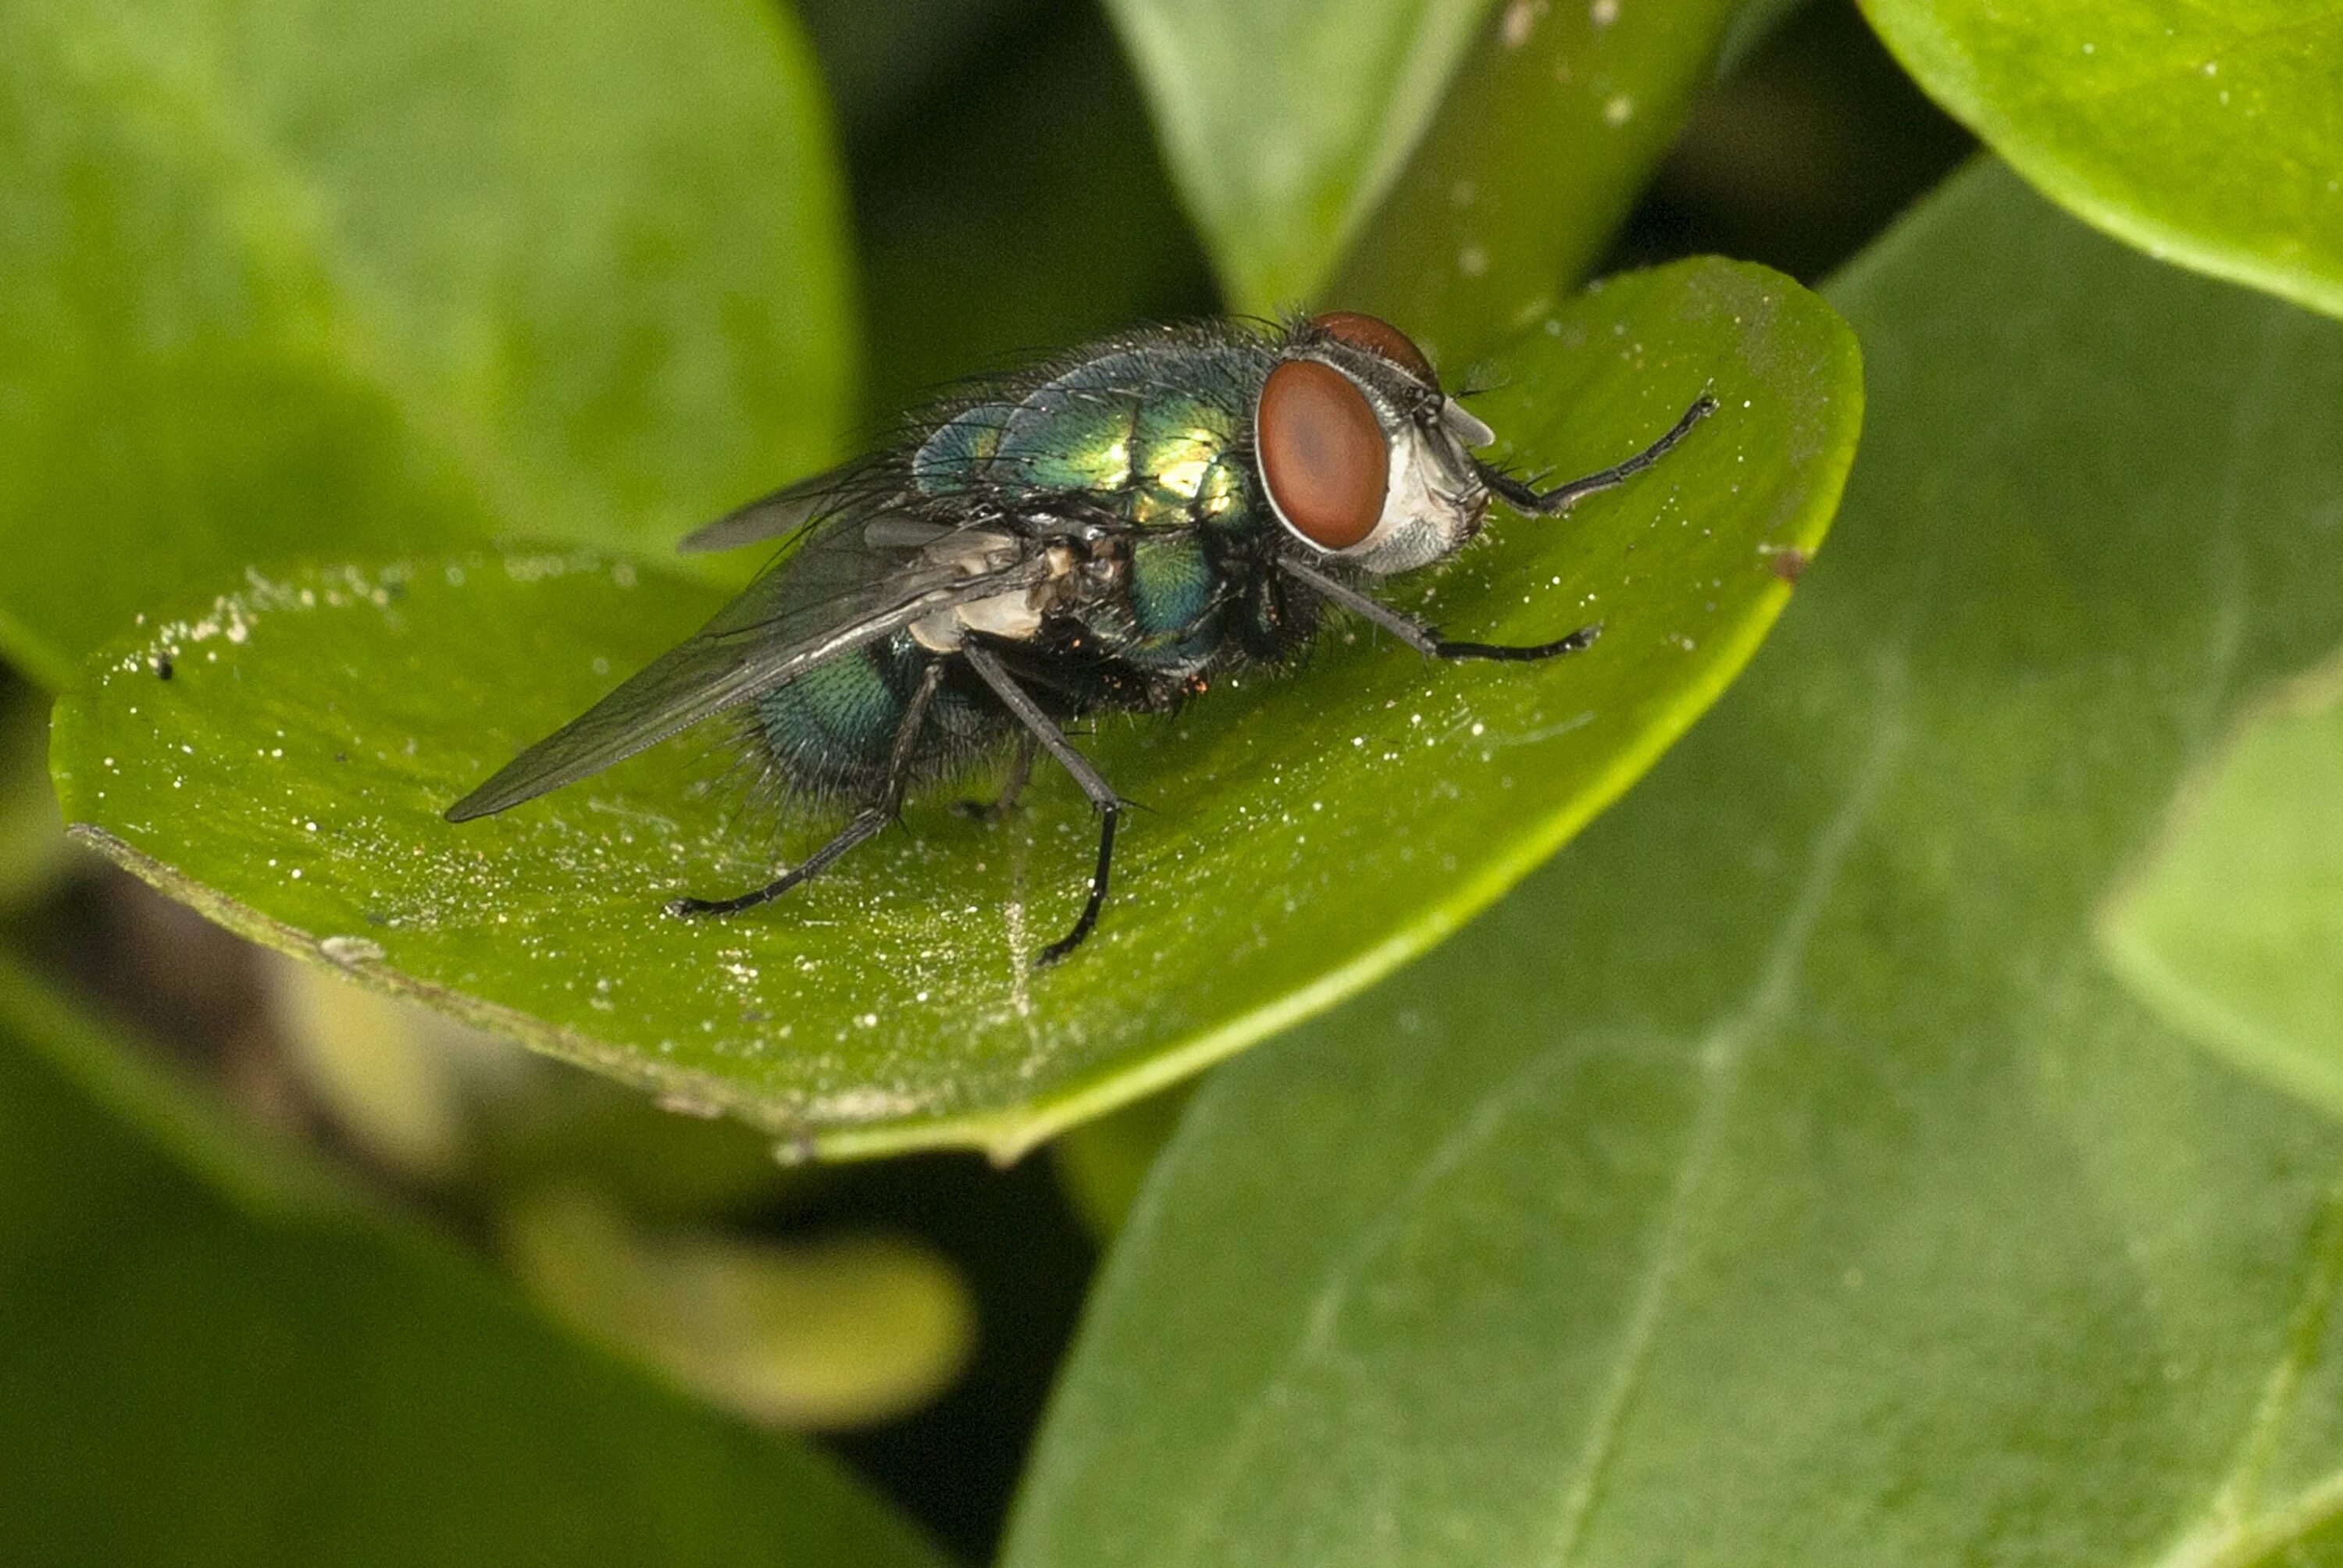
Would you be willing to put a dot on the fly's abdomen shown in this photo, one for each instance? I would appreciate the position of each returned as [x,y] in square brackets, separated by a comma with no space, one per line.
[830,730]
[830,733]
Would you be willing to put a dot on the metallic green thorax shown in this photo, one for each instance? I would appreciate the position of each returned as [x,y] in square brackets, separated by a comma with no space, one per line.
[1157,432]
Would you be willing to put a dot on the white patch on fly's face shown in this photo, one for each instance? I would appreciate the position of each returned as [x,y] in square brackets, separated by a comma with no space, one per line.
[1430,509]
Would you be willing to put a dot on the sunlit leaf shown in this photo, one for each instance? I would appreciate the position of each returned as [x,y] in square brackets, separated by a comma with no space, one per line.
[2209,134]
[1302,836]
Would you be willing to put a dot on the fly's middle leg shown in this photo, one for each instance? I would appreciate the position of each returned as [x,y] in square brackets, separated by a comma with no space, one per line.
[1429,639]
[1103,798]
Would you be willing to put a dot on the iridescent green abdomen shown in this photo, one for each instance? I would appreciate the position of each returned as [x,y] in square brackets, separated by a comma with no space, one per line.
[1155,432]
[831,731]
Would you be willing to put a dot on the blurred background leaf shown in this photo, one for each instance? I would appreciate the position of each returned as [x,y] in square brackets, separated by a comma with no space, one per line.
[2232,926]
[1554,122]
[1102,1163]
[1284,121]
[1035,170]
[842,1331]
[1778,1177]
[183,1382]
[325,277]
[2210,135]
[1809,142]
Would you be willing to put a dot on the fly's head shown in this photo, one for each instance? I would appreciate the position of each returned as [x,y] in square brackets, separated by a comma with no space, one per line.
[1363,456]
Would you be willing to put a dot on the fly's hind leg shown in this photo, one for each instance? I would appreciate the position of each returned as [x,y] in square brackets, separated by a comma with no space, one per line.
[1046,734]
[1021,773]
[874,816]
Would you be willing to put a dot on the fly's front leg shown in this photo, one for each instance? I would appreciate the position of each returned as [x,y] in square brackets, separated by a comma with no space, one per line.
[1524,497]
[1021,773]
[867,821]
[1425,638]
[1045,733]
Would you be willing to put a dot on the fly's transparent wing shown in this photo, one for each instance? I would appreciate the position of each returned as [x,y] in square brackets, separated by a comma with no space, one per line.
[783,512]
[848,580]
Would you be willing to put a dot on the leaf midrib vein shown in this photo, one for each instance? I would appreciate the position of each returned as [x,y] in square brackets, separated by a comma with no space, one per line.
[1722,1054]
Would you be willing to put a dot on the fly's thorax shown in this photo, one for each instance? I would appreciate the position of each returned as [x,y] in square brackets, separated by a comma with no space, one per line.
[1362,456]
[1153,428]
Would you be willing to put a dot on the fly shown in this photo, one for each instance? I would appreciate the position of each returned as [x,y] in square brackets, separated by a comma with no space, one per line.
[1111,530]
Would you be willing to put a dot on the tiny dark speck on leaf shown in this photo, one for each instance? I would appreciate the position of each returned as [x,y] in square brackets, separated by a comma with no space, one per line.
[1789,563]
[163,669]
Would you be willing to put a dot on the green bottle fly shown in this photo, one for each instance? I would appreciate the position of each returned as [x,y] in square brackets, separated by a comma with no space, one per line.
[1111,529]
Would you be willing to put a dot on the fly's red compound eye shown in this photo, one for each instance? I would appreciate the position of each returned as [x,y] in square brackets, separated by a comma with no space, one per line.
[1323,454]
[1378,337]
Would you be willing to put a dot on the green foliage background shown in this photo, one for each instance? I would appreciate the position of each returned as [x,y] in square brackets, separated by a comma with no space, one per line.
[1901,1128]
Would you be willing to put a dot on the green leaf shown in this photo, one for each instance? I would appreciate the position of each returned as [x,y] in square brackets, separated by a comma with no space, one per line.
[1307,834]
[2207,135]
[34,853]
[1753,22]
[1554,124]
[2233,927]
[1284,121]
[338,278]
[1777,1178]
[184,1384]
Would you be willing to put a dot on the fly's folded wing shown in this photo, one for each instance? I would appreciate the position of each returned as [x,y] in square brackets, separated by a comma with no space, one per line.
[850,580]
[784,511]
